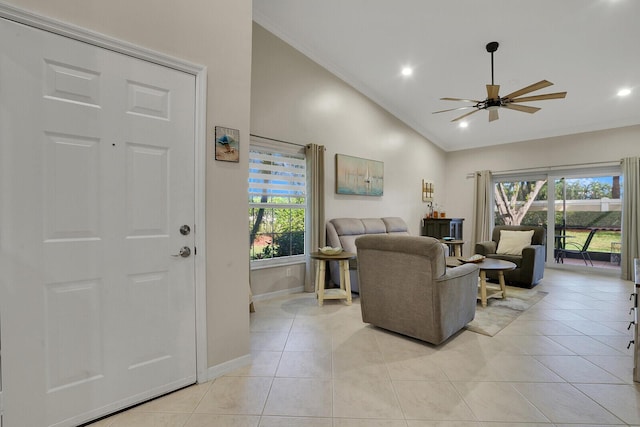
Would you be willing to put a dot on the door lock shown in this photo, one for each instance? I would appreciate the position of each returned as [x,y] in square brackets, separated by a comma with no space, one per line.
[184,252]
[185,230]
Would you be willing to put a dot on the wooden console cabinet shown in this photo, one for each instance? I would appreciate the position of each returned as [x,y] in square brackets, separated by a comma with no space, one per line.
[442,227]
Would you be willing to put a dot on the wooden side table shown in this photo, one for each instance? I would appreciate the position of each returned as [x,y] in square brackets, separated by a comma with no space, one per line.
[455,246]
[344,292]
[494,265]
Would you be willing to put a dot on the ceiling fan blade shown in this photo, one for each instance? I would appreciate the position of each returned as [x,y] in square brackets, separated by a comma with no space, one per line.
[460,99]
[492,91]
[453,109]
[536,86]
[493,115]
[464,115]
[556,95]
[523,108]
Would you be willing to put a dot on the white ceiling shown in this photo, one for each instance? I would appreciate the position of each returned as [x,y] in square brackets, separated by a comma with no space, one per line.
[589,48]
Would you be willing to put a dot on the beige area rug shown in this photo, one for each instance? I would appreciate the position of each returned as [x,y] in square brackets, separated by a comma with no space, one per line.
[499,313]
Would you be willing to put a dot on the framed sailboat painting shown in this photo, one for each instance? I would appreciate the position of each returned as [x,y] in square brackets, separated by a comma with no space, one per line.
[362,177]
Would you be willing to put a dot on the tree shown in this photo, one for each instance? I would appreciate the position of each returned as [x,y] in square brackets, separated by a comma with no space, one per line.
[258,221]
[513,199]
[615,190]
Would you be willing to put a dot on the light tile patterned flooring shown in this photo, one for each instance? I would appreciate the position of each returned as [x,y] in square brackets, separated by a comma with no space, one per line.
[564,362]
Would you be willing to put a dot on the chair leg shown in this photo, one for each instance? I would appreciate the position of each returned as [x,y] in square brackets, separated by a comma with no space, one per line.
[584,258]
[589,257]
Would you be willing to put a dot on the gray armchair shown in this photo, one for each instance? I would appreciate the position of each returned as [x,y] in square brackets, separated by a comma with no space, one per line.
[529,266]
[405,287]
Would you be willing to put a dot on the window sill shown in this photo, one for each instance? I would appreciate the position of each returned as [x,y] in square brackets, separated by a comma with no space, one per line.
[262,264]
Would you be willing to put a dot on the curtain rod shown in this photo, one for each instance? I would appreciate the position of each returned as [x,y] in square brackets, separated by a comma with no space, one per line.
[277,140]
[550,168]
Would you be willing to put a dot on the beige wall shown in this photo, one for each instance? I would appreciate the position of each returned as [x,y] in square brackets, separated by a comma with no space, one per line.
[584,148]
[216,34]
[294,99]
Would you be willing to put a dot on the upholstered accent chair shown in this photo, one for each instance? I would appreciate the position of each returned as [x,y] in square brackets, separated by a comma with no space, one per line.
[405,287]
[523,245]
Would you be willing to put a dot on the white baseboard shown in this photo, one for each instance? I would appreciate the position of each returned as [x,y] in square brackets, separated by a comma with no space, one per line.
[214,372]
[275,294]
[217,371]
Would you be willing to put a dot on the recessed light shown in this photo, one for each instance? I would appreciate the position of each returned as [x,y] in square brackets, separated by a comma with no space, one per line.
[407,71]
[463,124]
[624,92]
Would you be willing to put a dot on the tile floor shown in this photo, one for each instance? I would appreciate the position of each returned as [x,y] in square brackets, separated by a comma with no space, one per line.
[564,362]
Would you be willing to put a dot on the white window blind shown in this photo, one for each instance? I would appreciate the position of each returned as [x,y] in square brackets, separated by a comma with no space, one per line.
[276,176]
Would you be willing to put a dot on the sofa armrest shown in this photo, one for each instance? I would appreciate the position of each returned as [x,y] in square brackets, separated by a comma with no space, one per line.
[456,304]
[333,239]
[533,262]
[486,248]
[454,273]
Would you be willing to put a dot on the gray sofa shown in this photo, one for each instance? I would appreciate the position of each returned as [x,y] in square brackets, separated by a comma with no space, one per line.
[405,287]
[343,232]
[529,266]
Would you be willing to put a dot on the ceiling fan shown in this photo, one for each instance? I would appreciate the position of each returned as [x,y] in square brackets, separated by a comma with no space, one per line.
[494,102]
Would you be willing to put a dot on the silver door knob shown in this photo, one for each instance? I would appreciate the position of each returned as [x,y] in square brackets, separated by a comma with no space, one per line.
[184,252]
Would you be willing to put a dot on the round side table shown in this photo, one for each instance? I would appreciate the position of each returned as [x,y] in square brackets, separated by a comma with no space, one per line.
[492,264]
[344,292]
[455,246]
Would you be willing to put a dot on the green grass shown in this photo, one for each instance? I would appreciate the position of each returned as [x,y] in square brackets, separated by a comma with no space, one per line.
[601,241]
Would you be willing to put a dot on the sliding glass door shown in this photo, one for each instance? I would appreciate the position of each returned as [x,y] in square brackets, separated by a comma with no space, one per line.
[580,208]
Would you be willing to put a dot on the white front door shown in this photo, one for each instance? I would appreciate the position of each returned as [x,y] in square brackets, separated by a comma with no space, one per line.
[96,180]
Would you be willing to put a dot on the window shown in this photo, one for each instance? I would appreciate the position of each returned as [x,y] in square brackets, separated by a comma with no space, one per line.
[277,205]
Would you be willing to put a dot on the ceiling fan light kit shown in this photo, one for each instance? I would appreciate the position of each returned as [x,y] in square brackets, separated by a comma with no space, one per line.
[512,101]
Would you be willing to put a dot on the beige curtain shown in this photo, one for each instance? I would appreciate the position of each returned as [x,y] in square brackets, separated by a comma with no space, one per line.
[315,208]
[482,207]
[630,213]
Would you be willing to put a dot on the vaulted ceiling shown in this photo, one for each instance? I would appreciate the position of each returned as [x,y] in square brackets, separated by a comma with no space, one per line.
[588,48]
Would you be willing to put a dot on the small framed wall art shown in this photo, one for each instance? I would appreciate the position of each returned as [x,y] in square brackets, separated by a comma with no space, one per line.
[227,144]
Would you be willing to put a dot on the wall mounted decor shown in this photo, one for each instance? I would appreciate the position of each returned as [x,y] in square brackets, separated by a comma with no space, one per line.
[427,191]
[227,144]
[358,176]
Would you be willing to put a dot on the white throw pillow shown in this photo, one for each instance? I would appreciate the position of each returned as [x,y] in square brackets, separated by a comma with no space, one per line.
[512,242]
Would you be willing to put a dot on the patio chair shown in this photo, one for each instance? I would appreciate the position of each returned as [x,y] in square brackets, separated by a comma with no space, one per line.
[576,249]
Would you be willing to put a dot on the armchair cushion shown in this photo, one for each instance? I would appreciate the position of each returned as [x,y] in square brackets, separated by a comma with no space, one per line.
[512,242]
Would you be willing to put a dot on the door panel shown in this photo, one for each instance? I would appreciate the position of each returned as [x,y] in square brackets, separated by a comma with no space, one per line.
[147,190]
[73,349]
[96,180]
[71,187]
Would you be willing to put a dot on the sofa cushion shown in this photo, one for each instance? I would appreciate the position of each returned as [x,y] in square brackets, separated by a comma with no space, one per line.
[373,226]
[348,226]
[512,242]
[395,224]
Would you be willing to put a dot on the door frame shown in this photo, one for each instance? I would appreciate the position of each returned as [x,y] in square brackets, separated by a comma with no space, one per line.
[199,72]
